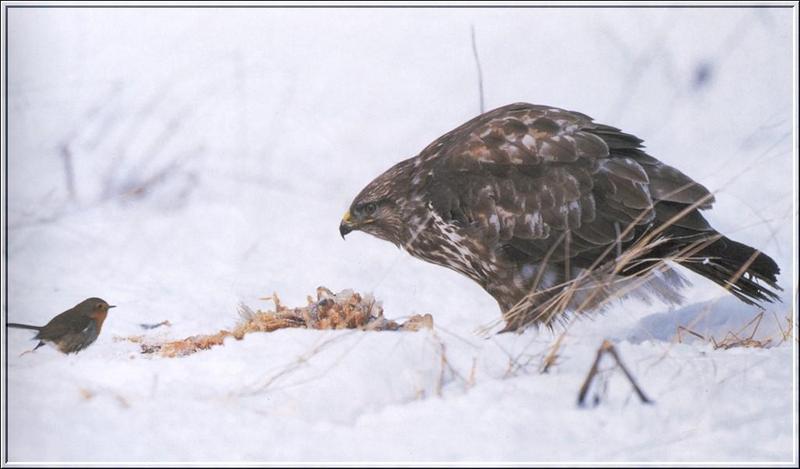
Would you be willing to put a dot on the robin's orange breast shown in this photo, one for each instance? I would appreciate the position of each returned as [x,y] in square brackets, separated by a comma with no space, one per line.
[99,317]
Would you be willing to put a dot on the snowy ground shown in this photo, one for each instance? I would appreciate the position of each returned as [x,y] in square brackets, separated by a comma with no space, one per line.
[212,154]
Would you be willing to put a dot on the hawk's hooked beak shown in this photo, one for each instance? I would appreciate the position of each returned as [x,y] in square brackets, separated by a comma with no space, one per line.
[345,226]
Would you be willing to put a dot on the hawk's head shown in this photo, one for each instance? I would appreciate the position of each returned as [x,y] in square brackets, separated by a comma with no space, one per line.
[379,208]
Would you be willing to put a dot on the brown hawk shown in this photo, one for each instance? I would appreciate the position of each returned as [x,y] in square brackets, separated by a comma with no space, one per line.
[552,213]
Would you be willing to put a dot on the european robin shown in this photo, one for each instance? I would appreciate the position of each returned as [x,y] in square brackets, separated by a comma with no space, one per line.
[74,329]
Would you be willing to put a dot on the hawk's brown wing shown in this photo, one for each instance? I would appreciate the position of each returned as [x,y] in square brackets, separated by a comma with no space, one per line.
[522,175]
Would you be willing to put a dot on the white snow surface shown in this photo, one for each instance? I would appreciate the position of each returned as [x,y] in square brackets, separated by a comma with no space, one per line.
[213,153]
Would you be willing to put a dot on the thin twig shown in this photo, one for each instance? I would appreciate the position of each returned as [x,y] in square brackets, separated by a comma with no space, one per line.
[477,65]
[608,347]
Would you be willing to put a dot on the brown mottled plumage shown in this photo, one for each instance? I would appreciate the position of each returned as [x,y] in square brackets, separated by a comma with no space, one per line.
[74,329]
[526,198]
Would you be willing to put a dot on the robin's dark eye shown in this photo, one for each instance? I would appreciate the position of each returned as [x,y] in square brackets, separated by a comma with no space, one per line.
[369,209]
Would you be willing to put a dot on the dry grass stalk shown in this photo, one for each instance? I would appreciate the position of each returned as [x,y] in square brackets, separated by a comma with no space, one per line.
[682,329]
[343,310]
[552,355]
[472,372]
[732,339]
[521,361]
[269,382]
[787,330]
[443,364]
[446,369]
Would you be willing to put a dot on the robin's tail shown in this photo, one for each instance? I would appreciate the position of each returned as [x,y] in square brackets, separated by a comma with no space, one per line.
[24,326]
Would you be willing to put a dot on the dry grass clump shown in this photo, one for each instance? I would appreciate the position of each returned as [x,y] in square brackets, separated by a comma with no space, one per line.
[740,338]
[344,310]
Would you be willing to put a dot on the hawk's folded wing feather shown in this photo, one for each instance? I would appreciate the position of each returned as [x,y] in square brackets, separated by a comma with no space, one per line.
[523,175]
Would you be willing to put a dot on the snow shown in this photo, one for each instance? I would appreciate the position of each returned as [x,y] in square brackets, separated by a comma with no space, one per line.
[252,129]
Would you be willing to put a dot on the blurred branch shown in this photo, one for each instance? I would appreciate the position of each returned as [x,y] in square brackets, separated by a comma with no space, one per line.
[69,171]
[477,65]
[608,348]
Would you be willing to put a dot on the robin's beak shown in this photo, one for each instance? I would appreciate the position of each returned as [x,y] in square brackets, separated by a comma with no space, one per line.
[112,306]
[346,225]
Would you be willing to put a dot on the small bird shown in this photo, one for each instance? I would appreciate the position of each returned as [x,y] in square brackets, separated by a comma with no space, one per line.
[74,329]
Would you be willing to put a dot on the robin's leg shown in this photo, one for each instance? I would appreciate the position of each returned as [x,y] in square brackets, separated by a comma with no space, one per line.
[41,342]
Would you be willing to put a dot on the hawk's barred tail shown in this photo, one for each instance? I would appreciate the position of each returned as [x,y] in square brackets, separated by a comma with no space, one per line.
[725,259]
[23,326]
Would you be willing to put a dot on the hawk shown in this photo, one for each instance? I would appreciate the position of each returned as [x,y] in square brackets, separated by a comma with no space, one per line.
[553,215]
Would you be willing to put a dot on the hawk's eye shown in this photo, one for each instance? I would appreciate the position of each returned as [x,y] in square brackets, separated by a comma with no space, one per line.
[369,209]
